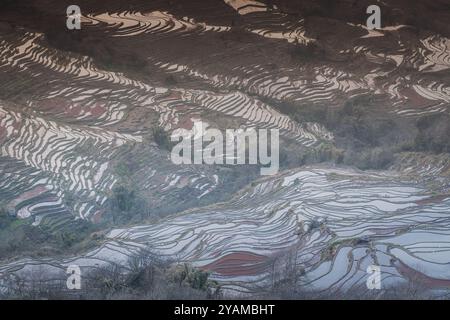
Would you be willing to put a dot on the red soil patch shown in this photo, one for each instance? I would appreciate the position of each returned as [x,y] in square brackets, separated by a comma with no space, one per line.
[434,199]
[28,195]
[74,111]
[185,123]
[415,99]
[239,264]
[174,95]
[98,109]
[420,278]
[53,104]
[97,216]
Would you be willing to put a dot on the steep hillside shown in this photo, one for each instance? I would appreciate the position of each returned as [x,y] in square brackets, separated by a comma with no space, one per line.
[86,116]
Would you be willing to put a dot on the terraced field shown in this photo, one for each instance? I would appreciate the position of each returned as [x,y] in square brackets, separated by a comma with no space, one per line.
[364,120]
[336,222]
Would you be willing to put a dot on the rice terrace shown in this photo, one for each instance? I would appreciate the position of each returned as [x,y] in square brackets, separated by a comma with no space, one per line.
[338,187]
